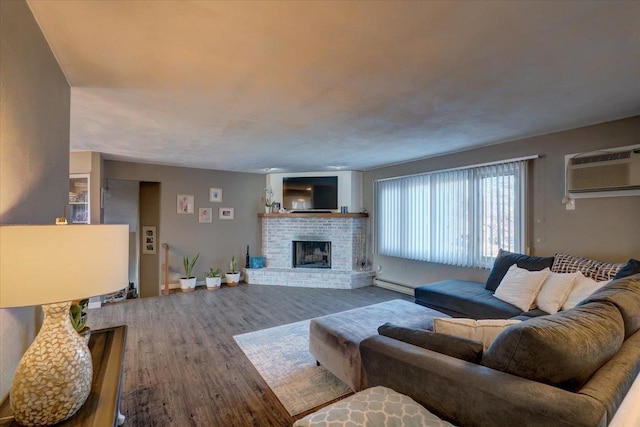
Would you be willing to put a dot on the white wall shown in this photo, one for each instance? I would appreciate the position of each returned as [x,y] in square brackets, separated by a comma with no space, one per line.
[34,153]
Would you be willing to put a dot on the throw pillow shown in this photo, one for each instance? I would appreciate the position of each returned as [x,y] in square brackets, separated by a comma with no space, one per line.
[592,269]
[520,287]
[506,259]
[485,330]
[555,291]
[460,348]
[582,288]
[563,349]
[630,268]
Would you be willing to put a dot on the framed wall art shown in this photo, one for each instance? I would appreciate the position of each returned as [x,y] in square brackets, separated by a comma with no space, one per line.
[204,215]
[215,195]
[185,203]
[148,240]
[225,213]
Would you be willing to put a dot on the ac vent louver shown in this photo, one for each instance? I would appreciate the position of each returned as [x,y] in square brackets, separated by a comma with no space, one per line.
[604,172]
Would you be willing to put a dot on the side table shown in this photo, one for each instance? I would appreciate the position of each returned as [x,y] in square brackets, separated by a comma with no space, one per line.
[102,407]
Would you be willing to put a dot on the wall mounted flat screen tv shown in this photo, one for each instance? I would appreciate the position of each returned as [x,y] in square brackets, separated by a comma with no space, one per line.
[310,193]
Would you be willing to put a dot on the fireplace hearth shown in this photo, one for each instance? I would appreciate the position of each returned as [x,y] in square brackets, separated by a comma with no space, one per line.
[311,254]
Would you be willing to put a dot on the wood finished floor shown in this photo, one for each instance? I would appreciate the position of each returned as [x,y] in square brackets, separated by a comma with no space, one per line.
[182,365]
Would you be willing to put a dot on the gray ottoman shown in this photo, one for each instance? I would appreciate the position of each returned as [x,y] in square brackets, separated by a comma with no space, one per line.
[377,406]
[334,339]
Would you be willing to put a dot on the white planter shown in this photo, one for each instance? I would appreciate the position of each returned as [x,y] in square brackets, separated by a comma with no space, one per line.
[232,278]
[267,209]
[213,282]
[188,285]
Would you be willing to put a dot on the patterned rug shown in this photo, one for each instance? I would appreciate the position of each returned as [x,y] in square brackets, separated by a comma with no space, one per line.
[281,356]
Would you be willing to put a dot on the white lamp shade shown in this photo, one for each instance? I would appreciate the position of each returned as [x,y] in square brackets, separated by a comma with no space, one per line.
[42,264]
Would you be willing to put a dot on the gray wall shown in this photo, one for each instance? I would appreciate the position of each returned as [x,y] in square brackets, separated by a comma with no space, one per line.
[604,229]
[215,242]
[34,152]
[121,202]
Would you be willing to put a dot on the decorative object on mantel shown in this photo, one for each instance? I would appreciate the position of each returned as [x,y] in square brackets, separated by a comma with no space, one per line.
[215,195]
[275,207]
[185,204]
[233,276]
[213,278]
[53,378]
[188,282]
[268,199]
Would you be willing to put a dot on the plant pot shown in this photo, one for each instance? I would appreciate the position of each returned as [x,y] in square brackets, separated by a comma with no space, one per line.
[213,283]
[187,285]
[267,209]
[232,278]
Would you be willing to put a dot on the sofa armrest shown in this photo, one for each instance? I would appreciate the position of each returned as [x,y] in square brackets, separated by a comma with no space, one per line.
[468,394]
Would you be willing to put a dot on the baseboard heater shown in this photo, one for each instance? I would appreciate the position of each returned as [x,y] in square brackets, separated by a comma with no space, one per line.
[393,286]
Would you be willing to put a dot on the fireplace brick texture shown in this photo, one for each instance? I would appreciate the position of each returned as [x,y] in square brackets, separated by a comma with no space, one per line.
[347,237]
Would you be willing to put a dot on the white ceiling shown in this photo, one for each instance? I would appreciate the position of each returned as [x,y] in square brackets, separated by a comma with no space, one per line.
[301,86]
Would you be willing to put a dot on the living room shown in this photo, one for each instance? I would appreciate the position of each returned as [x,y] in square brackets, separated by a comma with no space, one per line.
[39,128]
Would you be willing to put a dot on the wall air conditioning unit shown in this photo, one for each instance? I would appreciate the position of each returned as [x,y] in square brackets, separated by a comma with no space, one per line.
[604,171]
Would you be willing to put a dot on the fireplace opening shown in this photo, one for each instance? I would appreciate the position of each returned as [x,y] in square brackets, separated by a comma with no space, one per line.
[311,254]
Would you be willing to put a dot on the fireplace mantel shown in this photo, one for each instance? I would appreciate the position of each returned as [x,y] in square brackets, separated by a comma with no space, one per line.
[313,215]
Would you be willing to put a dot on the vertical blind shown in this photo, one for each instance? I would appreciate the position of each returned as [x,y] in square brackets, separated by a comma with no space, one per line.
[459,217]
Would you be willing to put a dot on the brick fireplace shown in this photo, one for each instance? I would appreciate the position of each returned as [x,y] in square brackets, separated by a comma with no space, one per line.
[334,260]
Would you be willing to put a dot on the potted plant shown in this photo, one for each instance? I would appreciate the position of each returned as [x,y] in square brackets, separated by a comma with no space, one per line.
[188,282]
[78,315]
[233,276]
[213,278]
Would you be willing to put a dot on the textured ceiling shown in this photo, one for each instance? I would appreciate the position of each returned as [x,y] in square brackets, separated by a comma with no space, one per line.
[302,86]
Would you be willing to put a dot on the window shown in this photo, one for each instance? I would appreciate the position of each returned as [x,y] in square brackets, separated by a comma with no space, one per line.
[458,217]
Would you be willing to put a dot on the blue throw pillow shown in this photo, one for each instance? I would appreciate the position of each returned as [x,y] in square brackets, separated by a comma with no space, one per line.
[506,259]
[630,268]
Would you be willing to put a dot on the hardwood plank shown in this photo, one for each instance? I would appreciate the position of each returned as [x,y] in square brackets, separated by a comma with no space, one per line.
[182,365]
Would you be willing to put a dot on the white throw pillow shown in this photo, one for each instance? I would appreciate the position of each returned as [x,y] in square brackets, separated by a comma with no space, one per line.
[520,287]
[485,330]
[582,288]
[555,290]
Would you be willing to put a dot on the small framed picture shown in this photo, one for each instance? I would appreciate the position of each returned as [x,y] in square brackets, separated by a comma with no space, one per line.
[204,214]
[215,195]
[148,240]
[185,203]
[225,213]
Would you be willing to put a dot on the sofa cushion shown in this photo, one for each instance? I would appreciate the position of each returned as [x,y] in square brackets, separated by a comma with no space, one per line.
[520,287]
[555,291]
[484,330]
[632,267]
[506,259]
[625,295]
[460,348]
[592,269]
[562,349]
[582,288]
[464,299]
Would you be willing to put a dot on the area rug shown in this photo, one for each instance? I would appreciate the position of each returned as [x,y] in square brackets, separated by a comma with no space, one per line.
[281,356]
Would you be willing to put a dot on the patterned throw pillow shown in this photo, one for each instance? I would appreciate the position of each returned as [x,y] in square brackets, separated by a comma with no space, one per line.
[592,269]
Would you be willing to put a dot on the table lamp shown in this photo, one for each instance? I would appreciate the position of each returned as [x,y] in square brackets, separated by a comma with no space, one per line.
[52,265]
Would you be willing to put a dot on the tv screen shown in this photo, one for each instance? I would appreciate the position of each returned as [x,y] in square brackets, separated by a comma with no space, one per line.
[310,193]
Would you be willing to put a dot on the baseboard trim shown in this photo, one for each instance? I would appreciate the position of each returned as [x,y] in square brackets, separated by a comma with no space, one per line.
[393,286]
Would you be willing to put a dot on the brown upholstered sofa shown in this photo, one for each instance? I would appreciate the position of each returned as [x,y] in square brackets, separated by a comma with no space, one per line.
[572,368]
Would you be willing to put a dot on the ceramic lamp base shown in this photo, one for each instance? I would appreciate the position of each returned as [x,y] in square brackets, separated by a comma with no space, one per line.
[53,378]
